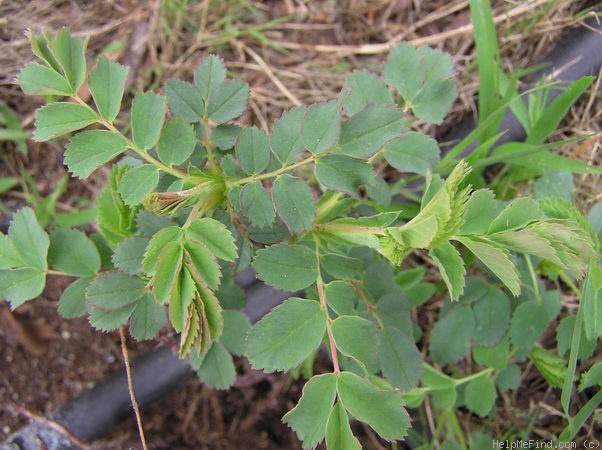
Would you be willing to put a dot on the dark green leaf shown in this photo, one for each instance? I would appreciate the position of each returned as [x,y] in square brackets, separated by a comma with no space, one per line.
[136,183]
[343,173]
[365,88]
[148,318]
[73,253]
[29,239]
[59,118]
[495,357]
[592,377]
[148,112]
[236,327]
[210,73]
[73,303]
[184,100]
[551,366]
[564,339]
[393,309]
[355,337]
[450,339]
[88,150]
[321,127]
[287,267]
[70,53]
[338,431]
[413,152]
[257,204]
[224,136]
[215,236]
[177,142]
[400,360]
[529,320]
[480,395]
[370,129]
[341,297]
[341,267]
[20,285]
[390,420]
[253,150]
[294,203]
[227,101]
[218,369]
[508,378]
[309,418]
[287,335]
[114,290]
[111,320]
[107,83]
[492,317]
[36,79]
[285,141]
[129,254]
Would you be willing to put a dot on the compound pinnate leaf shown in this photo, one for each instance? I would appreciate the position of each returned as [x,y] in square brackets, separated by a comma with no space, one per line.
[480,395]
[370,129]
[72,252]
[137,182]
[184,100]
[70,54]
[107,83]
[148,112]
[400,360]
[210,73]
[215,236]
[450,339]
[218,369]
[287,335]
[321,127]
[310,417]
[355,337]
[177,142]
[287,267]
[88,150]
[423,76]
[20,285]
[257,204]
[365,88]
[114,290]
[227,101]
[413,152]
[253,150]
[285,140]
[338,431]
[73,300]
[451,266]
[36,79]
[148,318]
[129,254]
[343,173]
[59,118]
[29,239]
[294,203]
[167,271]
[390,420]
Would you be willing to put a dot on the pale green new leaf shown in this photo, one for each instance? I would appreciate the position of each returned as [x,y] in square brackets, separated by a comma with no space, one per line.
[59,118]
[338,431]
[360,397]
[137,182]
[210,73]
[592,377]
[29,239]
[36,79]
[72,302]
[227,101]
[287,267]
[9,257]
[167,271]
[451,266]
[321,127]
[287,335]
[253,150]
[202,261]
[400,360]
[517,214]
[365,88]
[20,285]
[148,318]
[285,141]
[310,417]
[413,152]
[551,366]
[480,395]
[184,100]
[370,129]
[148,112]
[218,369]
[257,204]
[88,150]
[107,84]
[177,142]
[215,236]
[156,245]
[72,252]
[592,302]
[183,293]
[114,290]
[294,203]
[355,337]
[451,335]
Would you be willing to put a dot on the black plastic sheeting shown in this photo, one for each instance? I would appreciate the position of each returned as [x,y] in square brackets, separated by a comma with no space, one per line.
[159,372]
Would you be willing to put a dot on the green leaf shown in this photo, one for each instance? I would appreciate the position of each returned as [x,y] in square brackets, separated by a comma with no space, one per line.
[167,270]
[210,73]
[29,239]
[450,339]
[183,293]
[184,100]
[59,118]
[495,357]
[564,338]
[450,265]
[70,53]
[9,257]
[370,129]
[338,431]
[529,320]
[341,267]
[390,420]
[236,327]
[294,203]
[257,204]
[310,417]
[148,112]
[285,141]
[481,209]
[148,318]
[355,337]
[156,246]
[227,101]
[554,183]
[136,183]
[592,377]
[88,150]
[36,79]
[114,290]
[400,360]
[393,309]
[517,214]
[253,150]
[106,84]
[492,317]
[112,319]
[218,369]
[215,236]
[287,267]
[224,136]
[551,366]
[203,262]
[413,152]
[287,335]
[365,88]
[592,302]
[321,127]
[176,143]
[129,254]
[341,297]
[72,302]
[72,252]
[480,395]
[508,378]
[423,76]
[20,285]
[343,173]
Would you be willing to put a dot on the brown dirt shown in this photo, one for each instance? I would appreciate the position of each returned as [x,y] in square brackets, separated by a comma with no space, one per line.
[45,360]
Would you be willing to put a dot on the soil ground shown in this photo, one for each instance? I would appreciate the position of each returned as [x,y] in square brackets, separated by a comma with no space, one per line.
[45,360]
